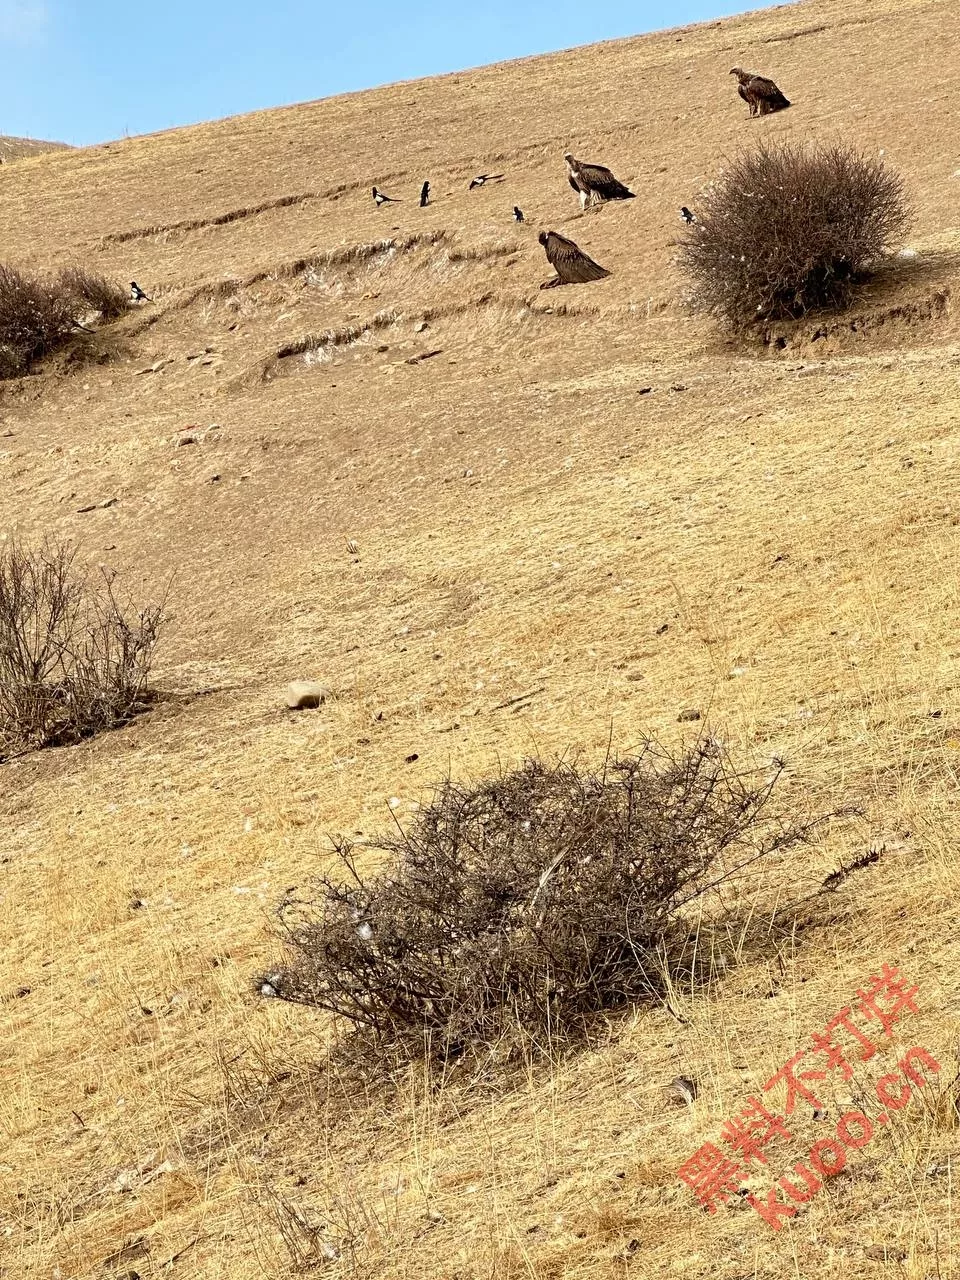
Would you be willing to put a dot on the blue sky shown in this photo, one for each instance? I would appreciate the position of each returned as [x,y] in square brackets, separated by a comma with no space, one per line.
[85,71]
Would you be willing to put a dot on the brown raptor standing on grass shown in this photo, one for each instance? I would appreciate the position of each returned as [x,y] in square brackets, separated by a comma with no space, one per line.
[594,183]
[760,94]
[569,261]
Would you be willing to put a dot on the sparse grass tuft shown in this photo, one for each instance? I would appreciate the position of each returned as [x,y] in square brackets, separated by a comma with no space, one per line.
[520,909]
[73,662]
[789,228]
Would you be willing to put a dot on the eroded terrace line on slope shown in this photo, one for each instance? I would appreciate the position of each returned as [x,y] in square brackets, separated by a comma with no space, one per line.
[230,286]
[236,215]
[345,335]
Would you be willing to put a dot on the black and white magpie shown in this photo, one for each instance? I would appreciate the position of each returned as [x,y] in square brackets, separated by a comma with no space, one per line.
[686,215]
[517,213]
[481,178]
[137,293]
[380,199]
[424,195]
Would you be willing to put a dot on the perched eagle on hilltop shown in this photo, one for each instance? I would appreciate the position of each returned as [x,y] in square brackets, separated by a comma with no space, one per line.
[569,261]
[594,183]
[760,94]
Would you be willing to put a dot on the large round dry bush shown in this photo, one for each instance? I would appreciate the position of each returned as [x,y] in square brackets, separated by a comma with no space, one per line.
[788,228]
[518,910]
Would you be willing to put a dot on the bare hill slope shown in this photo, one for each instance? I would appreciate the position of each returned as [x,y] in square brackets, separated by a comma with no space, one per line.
[24,148]
[582,495]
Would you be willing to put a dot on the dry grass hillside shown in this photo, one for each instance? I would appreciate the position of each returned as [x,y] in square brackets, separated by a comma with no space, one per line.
[24,148]
[586,496]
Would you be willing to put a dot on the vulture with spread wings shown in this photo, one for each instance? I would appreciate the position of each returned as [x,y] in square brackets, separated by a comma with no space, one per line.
[760,94]
[594,183]
[569,261]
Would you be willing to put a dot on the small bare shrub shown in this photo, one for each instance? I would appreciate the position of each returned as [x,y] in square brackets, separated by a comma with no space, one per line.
[35,317]
[73,661]
[94,292]
[38,314]
[520,909]
[788,228]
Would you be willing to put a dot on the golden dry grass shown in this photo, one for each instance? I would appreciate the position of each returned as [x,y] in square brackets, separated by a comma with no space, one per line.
[26,148]
[533,505]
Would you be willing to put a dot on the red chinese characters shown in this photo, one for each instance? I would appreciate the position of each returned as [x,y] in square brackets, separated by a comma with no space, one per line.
[750,1131]
[716,1172]
[712,1176]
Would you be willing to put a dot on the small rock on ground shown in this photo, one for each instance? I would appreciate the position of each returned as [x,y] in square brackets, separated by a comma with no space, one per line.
[303,695]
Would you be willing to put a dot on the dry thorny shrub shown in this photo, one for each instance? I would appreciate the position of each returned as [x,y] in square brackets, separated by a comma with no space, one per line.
[96,292]
[516,911]
[38,314]
[788,228]
[73,660]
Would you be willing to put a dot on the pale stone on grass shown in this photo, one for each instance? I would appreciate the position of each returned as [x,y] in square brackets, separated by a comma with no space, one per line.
[304,695]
